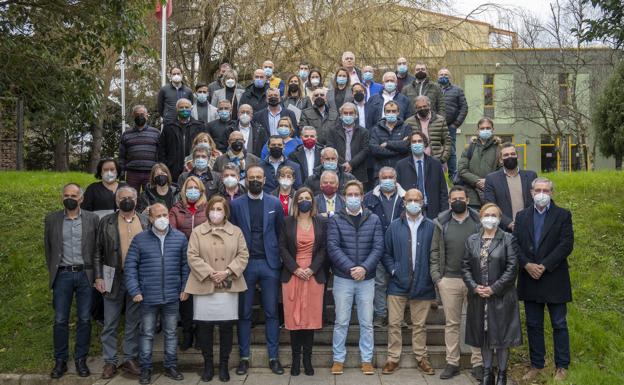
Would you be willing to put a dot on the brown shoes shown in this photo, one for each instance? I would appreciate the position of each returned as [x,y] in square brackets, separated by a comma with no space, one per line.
[561,374]
[425,366]
[367,368]
[390,367]
[132,367]
[337,368]
[109,371]
[531,374]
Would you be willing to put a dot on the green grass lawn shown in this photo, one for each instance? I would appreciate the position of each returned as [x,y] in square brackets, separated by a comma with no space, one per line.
[596,317]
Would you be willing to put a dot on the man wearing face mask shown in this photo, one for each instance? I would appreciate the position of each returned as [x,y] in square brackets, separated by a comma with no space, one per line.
[231,188]
[273,80]
[255,93]
[307,155]
[236,154]
[269,117]
[138,150]
[402,73]
[115,233]
[217,84]
[260,217]
[545,238]
[406,258]
[272,163]
[481,157]
[389,141]
[368,80]
[220,128]
[389,92]
[329,201]
[425,173]
[304,74]
[456,108]
[159,253]
[254,135]
[319,116]
[452,229]
[329,162]
[202,109]
[434,128]
[177,137]
[421,85]
[210,178]
[169,95]
[509,187]
[70,237]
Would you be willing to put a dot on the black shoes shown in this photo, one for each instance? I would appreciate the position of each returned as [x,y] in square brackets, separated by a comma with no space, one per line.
[145,377]
[243,367]
[276,366]
[307,365]
[449,371]
[208,372]
[60,367]
[295,367]
[173,374]
[187,342]
[477,372]
[81,367]
[488,377]
[224,371]
[502,377]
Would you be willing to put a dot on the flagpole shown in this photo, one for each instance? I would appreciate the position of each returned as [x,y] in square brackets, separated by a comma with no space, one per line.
[163,47]
[122,64]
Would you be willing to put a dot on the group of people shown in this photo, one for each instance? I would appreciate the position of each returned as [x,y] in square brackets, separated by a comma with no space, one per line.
[288,187]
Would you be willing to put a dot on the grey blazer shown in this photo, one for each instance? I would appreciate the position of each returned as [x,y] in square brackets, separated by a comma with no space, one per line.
[53,241]
[331,98]
[219,95]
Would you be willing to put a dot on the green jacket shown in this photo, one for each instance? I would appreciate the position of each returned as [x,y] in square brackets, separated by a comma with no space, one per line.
[484,160]
[430,90]
[438,133]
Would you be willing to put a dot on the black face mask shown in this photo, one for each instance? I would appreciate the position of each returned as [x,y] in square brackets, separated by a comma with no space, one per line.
[161,180]
[273,101]
[510,163]
[255,186]
[70,204]
[237,146]
[458,207]
[140,120]
[420,75]
[319,102]
[127,205]
[276,152]
[358,96]
[292,88]
[423,113]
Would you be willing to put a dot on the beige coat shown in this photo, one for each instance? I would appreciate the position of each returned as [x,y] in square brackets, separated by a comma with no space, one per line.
[213,249]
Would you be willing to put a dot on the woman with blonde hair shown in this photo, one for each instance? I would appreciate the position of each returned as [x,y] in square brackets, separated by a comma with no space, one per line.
[286,130]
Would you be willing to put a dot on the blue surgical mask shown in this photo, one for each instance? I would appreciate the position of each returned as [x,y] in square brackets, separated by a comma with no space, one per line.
[202,98]
[224,115]
[391,118]
[193,194]
[331,166]
[418,148]
[348,119]
[443,80]
[268,72]
[485,134]
[283,131]
[354,203]
[259,83]
[413,208]
[387,185]
[341,80]
[200,163]
[390,86]
[402,68]
[368,76]
[303,74]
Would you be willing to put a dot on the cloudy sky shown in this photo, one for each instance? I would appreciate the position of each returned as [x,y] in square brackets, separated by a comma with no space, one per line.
[539,8]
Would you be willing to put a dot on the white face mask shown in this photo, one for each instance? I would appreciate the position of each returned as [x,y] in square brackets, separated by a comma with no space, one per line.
[176,78]
[216,217]
[230,83]
[541,199]
[109,176]
[285,183]
[315,81]
[161,223]
[244,118]
[490,222]
[230,181]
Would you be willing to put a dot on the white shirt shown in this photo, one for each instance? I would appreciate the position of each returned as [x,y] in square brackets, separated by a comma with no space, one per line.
[309,154]
[245,131]
[386,98]
[413,225]
[255,198]
[361,115]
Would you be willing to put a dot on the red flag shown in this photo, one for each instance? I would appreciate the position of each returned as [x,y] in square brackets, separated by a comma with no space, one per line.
[159,9]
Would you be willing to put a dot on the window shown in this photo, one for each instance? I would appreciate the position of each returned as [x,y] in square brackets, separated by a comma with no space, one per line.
[488,95]
[435,37]
[564,94]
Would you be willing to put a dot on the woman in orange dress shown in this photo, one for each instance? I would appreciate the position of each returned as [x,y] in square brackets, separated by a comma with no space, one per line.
[302,248]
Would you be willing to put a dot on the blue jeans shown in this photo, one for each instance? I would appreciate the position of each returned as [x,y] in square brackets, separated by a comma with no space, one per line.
[258,271]
[452,161]
[112,315]
[65,285]
[381,288]
[345,290]
[169,321]
[535,331]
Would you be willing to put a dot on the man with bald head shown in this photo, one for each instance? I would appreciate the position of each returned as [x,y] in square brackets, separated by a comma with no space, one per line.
[254,135]
[388,93]
[422,85]
[170,93]
[272,79]
[177,137]
[255,93]
[236,154]
[270,116]
[329,162]
[402,73]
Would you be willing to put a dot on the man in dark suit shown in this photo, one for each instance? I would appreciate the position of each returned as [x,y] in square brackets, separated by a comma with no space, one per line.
[376,102]
[328,201]
[425,173]
[509,187]
[260,217]
[276,160]
[254,135]
[545,239]
[308,155]
[70,238]
[269,117]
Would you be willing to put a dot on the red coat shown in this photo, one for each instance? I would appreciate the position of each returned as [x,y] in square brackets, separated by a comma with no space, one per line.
[181,218]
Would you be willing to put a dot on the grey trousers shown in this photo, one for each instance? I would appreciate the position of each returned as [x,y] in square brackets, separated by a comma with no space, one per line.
[112,314]
[381,288]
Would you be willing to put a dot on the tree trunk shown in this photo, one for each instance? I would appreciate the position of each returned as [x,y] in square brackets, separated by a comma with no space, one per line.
[60,153]
[618,162]
[96,145]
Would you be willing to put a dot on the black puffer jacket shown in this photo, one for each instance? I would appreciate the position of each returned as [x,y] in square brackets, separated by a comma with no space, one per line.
[456,106]
[175,144]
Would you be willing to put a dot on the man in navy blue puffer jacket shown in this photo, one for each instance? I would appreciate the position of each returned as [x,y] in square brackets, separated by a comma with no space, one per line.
[354,246]
[155,272]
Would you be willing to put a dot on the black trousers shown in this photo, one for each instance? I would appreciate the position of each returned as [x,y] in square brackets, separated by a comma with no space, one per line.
[301,341]
[186,315]
[205,338]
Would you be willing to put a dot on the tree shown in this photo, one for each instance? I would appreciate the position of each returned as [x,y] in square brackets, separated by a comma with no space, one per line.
[609,24]
[608,118]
